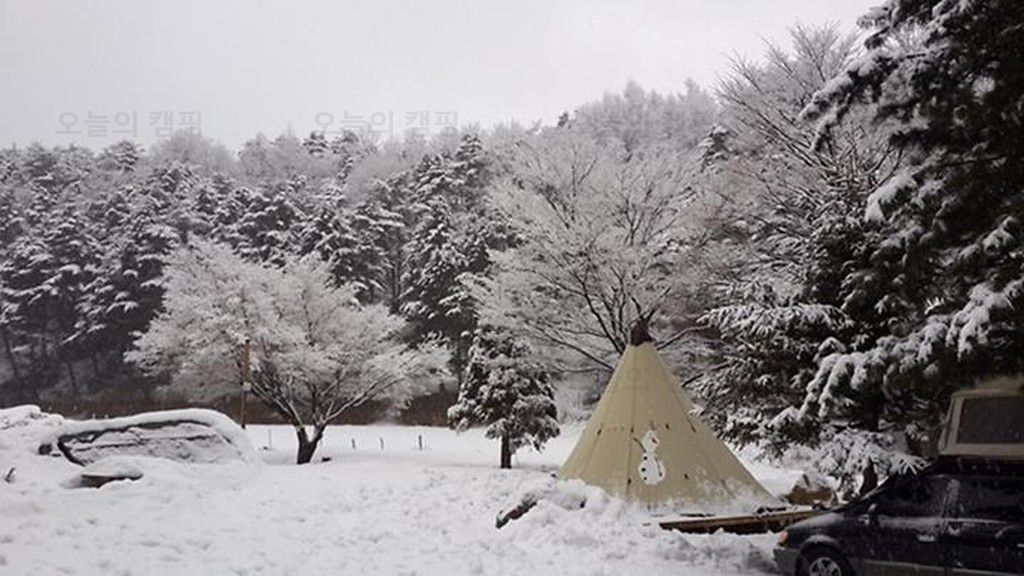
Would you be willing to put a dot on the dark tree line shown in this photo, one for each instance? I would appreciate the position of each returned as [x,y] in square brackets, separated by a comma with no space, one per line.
[85,237]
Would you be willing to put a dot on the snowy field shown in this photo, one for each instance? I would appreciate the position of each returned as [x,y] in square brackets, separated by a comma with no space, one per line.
[368,510]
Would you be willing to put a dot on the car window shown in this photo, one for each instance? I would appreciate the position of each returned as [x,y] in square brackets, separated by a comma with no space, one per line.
[987,498]
[914,497]
[992,421]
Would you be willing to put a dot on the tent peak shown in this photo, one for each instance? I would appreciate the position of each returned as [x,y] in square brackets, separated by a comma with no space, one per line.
[640,333]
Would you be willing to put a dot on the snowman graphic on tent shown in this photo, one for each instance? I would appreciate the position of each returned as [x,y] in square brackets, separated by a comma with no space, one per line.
[652,469]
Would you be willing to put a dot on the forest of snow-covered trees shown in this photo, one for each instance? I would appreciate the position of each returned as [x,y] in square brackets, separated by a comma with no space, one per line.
[828,243]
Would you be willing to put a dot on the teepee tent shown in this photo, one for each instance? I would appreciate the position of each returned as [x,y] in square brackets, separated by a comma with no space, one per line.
[644,443]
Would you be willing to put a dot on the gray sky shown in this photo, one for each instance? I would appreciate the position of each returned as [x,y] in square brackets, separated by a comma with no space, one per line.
[249,66]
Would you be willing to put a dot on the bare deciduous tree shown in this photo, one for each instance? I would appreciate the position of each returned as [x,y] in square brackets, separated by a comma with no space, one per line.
[316,352]
[603,232]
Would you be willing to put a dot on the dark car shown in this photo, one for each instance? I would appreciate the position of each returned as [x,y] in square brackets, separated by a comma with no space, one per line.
[956,517]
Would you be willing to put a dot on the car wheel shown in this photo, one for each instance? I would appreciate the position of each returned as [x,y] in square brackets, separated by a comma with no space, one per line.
[824,562]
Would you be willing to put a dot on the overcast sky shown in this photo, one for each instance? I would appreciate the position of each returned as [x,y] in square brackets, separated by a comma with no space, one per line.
[258,66]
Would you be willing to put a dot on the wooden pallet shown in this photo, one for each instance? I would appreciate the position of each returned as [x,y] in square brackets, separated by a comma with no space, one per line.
[746,524]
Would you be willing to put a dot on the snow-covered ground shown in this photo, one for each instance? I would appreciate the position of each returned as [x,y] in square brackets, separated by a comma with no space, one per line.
[368,510]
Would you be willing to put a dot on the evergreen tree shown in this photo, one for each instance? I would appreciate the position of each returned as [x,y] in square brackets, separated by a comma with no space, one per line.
[204,205]
[793,236]
[350,254]
[948,269]
[264,229]
[316,144]
[506,389]
[449,240]
[72,257]
[11,222]
[126,293]
[385,219]
[11,227]
[124,156]
[23,300]
[44,281]
[57,170]
[232,203]
[380,233]
[167,193]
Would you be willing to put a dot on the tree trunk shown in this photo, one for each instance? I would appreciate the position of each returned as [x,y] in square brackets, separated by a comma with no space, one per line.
[506,450]
[459,360]
[11,360]
[307,445]
[71,375]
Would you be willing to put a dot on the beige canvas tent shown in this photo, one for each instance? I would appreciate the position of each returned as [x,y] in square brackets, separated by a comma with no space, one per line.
[644,443]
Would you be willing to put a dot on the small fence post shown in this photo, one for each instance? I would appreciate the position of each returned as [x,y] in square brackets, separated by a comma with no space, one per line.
[419,439]
[353,444]
[381,438]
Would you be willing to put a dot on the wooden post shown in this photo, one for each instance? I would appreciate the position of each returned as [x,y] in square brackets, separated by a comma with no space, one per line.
[246,378]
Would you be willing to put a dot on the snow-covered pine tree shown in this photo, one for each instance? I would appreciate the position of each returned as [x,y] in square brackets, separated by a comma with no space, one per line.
[24,312]
[11,222]
[349,150]
[167,193]
[205,202]
[379,232]
[261,225]
[44,280]
[265,227]
[123,156]
[316,144]
[506,389]
[337,235]
[57,170]
[126,293]
[950,263]
[430,253]
[11,228]
[384,219]
[232,202]
[8,165]
[48,179]
[472,168]
[793,235]
[450,239]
